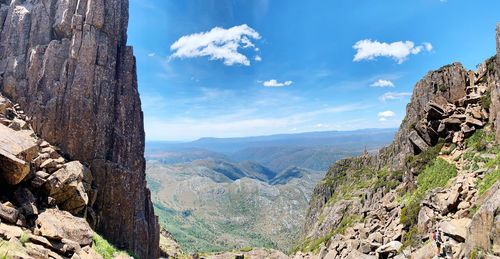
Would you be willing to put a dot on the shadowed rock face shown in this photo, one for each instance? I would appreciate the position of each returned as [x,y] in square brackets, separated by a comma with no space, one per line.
[66,62]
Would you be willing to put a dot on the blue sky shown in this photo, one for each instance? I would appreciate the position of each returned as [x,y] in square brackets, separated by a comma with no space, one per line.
[286,66]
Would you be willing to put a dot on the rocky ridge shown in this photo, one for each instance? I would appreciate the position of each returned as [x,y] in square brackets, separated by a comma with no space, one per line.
[67,64]
[441,170]
[45,199]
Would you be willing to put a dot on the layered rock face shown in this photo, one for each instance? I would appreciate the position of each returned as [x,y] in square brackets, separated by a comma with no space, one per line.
[66,62]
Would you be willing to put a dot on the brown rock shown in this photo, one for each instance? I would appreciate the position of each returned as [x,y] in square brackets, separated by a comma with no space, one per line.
[8,214]
[66,187]
[456,228]
[59,225]
[65,52]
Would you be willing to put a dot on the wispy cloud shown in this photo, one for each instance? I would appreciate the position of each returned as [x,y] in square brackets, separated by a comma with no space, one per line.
[152,54]
[393,96]
[399,51]
[258,58]
[217,44]
[383,83]
[383,116]
[275,83]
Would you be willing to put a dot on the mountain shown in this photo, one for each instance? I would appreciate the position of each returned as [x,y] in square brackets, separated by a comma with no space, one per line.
[214,205]
[441,170]
[68,65]
[313,150]
[218,194]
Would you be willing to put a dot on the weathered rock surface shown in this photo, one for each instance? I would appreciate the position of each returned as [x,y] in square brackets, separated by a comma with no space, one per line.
[66,62]
[448,105]
[59,225]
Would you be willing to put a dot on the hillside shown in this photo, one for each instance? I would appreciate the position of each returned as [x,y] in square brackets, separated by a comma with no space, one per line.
[214,205]
[440,171]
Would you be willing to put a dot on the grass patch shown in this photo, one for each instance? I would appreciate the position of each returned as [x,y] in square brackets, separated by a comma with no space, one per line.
[411,238]
[104,248]
[479,140]
[246,249]
[24,238]
[315,244]
[488,181]
[436,174]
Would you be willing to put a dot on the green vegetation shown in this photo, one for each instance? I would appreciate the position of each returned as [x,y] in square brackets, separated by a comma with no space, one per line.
[315,244]
[388,179]
[473,210]
[490,64]
[104,248]
[436,174]
[195,235]
[490,178]
[480,140]
[443,88]
[486,100]
[411,238]
[246,249]
[24,238]
[449,149]
[419,162]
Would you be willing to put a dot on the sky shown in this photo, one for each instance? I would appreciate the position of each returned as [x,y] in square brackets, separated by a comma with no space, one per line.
[234,68]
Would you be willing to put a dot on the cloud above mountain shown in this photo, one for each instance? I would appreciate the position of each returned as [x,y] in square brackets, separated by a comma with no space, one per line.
[393,96]
[275,83]
[383,116]
[382,83]
[399,51]
[218,44]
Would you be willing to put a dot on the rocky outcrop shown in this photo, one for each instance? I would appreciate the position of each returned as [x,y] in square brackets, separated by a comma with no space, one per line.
[44,203]
[66,62]
[373,206]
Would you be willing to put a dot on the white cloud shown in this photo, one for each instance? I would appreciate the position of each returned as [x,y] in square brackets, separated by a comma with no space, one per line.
[393,96]
[152,54]
[217,44]
[275,83]
[427,46]
[383,116]
[399,51]
[258,58]
[382,83]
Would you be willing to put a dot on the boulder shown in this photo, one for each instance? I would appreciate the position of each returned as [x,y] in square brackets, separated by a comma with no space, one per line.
[456,228]
[474,122]
[425,252]
[418,141]
[58,225]
[355,254]
[482,227]
[8,214]
[389,248]
[66,187]
[17,149]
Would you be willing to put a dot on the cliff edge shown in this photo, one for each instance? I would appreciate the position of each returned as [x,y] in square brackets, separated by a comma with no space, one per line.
[67,64]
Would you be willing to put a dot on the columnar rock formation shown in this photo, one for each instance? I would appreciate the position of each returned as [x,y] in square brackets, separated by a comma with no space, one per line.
[66,62]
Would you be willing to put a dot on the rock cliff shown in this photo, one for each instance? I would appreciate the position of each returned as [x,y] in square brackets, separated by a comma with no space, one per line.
[441,170]
[67,64]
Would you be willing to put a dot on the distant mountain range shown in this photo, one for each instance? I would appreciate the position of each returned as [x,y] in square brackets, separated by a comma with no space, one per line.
[314,150]
[241,192]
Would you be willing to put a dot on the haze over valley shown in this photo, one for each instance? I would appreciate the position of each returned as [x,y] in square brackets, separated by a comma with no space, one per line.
[222,194]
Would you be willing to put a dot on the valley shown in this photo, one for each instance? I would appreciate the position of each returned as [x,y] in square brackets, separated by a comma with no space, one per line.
[224,194]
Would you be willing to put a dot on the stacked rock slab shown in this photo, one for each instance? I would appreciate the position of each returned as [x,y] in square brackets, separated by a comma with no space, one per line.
[66,62]
[44,199]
